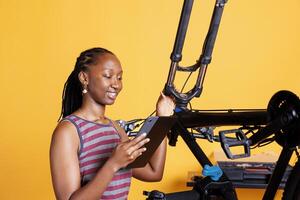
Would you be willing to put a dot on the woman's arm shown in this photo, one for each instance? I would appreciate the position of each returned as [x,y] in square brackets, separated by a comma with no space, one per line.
[153,171]
[65,165]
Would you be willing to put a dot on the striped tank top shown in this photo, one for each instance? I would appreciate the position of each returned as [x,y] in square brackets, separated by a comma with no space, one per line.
[97,142]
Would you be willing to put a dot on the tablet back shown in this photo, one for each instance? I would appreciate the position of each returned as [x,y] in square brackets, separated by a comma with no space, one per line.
[156,129]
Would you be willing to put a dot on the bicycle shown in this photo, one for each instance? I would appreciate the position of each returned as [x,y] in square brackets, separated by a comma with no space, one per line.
[280,122]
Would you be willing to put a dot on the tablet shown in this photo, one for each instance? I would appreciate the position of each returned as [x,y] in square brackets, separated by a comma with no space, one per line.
[156,129]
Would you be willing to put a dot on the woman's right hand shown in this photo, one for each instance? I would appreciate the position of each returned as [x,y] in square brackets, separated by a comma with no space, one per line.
[126,152]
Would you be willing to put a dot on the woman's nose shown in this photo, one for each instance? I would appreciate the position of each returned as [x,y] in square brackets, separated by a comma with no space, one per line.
[116,83]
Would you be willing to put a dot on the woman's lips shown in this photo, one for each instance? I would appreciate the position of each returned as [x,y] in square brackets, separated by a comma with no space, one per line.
[112,95]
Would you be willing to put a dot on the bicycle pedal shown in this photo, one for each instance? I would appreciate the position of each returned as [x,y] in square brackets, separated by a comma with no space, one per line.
[240,139]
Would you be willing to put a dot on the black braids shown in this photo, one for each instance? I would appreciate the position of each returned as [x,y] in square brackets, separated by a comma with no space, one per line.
[72,97]
[72,92]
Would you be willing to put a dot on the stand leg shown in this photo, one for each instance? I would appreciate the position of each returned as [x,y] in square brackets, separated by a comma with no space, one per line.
[277,175]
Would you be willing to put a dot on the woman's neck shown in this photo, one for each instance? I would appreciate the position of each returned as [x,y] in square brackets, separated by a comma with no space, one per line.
[92,111]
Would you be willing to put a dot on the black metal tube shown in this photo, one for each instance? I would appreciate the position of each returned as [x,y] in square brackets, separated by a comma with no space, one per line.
[181,31]
[182,99]
[193,119]
[192,144]
[210,39]
[266,131]
[282,121]
[197,152]
[183,195]
[278,173]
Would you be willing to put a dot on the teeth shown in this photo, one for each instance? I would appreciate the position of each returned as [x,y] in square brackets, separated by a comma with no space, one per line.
[112,95]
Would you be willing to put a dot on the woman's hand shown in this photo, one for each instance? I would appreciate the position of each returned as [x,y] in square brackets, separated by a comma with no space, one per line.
[126,152]
[154,169]
[165,105]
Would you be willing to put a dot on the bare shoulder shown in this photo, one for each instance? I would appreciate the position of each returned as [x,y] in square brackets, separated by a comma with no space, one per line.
[64,162]
[64,129]
[65,134]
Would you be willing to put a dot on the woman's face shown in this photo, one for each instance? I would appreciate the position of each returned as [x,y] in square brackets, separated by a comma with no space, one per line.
[105,79]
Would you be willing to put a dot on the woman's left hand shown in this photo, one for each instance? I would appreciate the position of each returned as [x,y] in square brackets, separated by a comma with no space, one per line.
[165,105]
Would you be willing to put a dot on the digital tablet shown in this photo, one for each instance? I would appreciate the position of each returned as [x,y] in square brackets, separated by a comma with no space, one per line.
[156,129]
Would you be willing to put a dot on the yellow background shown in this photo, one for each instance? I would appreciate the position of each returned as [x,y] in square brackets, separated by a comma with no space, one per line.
[256,54]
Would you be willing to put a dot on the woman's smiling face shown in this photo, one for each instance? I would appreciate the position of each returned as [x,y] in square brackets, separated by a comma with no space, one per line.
[105,79]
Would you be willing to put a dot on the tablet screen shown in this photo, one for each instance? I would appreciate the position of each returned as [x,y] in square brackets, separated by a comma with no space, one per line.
[156,129]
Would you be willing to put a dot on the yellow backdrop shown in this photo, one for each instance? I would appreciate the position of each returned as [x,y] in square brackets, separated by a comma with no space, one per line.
[256,54]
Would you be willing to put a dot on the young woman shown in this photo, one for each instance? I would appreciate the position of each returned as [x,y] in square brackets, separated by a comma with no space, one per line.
[89,152]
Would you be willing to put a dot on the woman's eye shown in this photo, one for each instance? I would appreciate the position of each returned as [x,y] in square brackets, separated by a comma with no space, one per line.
[107,76]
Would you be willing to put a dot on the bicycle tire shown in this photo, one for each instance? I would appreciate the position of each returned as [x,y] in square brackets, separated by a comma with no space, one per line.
[292,187]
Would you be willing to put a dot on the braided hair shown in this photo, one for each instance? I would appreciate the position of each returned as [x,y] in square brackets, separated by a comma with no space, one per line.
[72,92]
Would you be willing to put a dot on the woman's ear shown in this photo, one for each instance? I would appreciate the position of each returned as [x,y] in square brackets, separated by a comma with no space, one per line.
[83,78]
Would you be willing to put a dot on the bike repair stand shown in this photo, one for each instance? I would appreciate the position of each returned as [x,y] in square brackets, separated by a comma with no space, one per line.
[215,182]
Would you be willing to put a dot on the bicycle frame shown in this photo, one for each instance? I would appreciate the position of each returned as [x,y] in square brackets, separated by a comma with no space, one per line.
[285,120]
[192,119]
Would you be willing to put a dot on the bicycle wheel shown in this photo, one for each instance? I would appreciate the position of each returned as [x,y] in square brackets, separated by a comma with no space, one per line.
[292,187]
